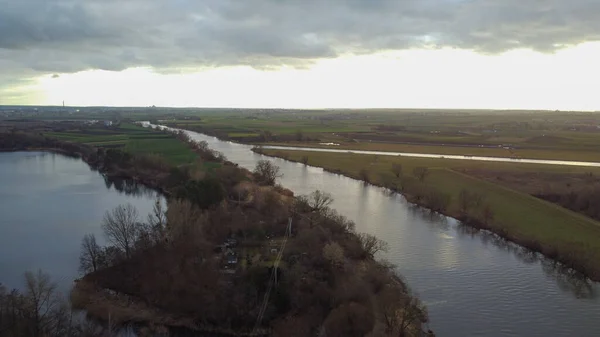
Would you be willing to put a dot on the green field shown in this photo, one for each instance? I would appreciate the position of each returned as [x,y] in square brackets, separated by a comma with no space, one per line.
[566,135]
[520,214]
[132,138]
[522,134]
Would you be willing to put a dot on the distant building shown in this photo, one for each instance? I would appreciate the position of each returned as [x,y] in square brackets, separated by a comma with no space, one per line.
[108,123]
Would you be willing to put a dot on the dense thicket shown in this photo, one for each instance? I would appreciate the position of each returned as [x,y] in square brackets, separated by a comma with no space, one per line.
[327,276]
[584,201]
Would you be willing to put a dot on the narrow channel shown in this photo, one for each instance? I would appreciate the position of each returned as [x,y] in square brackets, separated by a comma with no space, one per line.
[445,156]
[473,283]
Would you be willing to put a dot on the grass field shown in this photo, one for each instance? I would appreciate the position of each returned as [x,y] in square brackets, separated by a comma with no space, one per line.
[524,134]
[132,138]
[515,212]
[566,135]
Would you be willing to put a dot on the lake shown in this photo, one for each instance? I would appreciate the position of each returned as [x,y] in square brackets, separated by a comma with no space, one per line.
[48,202]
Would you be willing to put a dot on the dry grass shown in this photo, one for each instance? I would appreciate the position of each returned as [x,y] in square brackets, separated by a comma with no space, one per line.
[101,303]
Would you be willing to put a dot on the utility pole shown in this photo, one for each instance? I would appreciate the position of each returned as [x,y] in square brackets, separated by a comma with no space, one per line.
[273,279]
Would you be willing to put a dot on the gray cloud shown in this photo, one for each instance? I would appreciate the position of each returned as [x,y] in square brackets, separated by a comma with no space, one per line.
[53,36]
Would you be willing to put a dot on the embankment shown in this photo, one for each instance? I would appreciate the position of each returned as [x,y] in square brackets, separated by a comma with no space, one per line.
[574,256]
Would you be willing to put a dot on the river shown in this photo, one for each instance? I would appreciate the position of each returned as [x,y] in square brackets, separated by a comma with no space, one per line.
[473,283]
[48,202]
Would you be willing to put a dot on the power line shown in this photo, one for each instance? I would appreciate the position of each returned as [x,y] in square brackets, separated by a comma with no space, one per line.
[273,278]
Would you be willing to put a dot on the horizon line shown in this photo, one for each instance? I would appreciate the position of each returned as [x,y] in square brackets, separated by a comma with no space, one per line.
[293,109]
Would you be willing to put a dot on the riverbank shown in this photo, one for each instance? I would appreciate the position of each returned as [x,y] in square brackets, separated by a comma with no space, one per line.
[450,265]
[493,151]
[518,217]
[440,156]
[147,172]
[120,309]
[511,134]
[513,215]
[182,269]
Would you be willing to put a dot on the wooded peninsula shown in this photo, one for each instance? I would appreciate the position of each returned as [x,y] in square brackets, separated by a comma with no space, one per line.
[232,252]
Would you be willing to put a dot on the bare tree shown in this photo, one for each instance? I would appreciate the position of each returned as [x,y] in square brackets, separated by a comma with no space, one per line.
[478,200]
[319,201]
[349,320]
[397,169]
[121,227]
[267,172]
[41,299]
[371,244]
[469,200]
[363,175]
[334,253]
[267,135]
[304,160]
[438,201]
[488,214]
[401,311]
[421,173]
[158,216]
[91,254]
[314,205]
[186,222]
[202,145]
[157,222]
[41,311]
[465,201]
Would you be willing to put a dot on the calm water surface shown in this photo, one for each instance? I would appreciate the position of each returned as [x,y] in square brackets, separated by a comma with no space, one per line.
[48,202]
[472,283]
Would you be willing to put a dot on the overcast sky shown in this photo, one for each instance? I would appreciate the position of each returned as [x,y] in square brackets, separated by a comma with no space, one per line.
[534,54]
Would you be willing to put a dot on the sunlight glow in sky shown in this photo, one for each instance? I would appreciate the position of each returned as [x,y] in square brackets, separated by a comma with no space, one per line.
[448,78]
[490,54]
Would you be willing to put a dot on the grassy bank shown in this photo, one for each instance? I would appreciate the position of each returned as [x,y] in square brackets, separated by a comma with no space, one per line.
[522,153]
[537,224]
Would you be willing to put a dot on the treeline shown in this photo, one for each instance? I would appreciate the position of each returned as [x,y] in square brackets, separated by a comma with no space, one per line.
[22,141]
[584,201]
[40,310]
[258,136]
